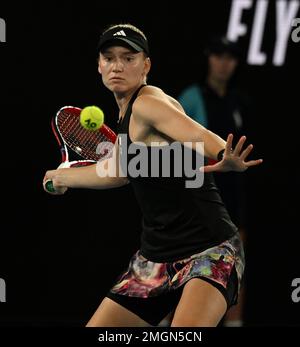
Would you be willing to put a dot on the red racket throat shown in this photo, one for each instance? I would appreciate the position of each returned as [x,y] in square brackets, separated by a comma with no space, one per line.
[79,146]
[90,145]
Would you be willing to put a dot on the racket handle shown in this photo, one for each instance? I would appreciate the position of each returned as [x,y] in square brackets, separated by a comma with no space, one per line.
[49,186]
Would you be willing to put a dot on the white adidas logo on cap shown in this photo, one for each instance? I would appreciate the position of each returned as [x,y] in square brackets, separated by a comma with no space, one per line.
[120,33]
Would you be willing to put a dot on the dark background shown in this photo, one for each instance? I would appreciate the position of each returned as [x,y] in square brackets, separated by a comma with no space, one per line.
[59,255]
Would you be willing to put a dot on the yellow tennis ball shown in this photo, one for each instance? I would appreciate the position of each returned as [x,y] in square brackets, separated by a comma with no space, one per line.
[91,118]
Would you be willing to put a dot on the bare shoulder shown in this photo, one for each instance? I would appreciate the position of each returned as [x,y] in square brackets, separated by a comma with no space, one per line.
[150,95]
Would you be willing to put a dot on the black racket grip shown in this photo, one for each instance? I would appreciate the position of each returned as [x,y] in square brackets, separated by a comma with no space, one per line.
[49,186]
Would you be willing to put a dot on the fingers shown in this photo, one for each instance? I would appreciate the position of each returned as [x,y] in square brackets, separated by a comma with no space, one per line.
[46,187]
[253,162]
[244,155]
[58,189]
[58,186]
[246,152]
[228,145]
[49,175]
[239,146]
[210,168]
[207,168]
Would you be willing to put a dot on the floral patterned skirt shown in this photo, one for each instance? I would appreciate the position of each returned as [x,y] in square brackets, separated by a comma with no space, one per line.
[144,278]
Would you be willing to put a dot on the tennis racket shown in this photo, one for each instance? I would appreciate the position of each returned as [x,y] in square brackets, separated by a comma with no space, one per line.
[79,146]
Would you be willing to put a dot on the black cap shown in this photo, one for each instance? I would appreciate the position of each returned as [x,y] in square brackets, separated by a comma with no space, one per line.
[130,37]
[220,45]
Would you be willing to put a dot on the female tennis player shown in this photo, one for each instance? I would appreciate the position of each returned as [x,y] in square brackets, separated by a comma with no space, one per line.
[190,262]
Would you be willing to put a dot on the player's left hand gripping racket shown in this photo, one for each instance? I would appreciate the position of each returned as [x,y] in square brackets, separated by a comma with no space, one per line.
[79,146]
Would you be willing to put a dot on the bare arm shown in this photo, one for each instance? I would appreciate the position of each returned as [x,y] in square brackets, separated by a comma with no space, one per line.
[161,114]
[158,112]
[90,177]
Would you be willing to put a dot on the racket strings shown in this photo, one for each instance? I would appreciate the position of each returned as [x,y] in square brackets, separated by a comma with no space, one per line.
[93,145]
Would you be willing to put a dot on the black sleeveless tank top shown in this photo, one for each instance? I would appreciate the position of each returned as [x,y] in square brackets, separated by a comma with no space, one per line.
[177,221]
